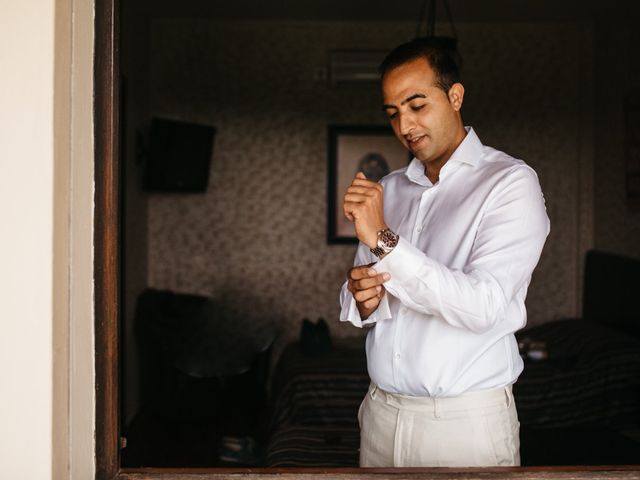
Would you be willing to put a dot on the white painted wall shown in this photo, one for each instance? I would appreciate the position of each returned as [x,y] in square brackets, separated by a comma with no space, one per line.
[46,218]
[26,255]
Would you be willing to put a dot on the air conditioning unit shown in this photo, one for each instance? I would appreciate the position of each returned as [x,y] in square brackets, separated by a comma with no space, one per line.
[351,67]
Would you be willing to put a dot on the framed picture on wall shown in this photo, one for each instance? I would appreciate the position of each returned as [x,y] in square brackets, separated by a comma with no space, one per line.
[373,150]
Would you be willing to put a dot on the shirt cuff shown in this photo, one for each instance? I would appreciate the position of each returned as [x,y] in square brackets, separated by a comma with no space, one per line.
[351,314]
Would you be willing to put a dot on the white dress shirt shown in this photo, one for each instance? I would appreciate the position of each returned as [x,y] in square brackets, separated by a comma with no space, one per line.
[459,274]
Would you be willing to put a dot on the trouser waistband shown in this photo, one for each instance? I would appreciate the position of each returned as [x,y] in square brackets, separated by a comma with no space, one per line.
[478,399]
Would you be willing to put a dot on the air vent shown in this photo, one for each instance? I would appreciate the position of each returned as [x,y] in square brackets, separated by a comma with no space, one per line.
[349,67]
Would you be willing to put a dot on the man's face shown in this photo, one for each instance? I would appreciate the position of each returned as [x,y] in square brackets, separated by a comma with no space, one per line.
[424,118]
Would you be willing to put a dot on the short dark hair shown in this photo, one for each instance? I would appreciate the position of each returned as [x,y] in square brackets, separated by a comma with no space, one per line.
[440,53]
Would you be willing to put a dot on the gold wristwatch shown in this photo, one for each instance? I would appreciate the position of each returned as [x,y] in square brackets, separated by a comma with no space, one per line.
[387,241]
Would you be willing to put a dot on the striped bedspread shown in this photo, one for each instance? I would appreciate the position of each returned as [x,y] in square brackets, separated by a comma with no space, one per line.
[323,389]
[592,376]
[315,401]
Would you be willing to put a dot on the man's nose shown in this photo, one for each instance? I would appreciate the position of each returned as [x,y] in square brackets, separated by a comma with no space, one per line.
[406,124]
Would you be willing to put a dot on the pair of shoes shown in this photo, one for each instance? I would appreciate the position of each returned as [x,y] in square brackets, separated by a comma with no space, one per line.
[238,450]
[315,338]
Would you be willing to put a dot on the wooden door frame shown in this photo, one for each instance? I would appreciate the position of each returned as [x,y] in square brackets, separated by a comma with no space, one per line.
[107,311]
[106,236]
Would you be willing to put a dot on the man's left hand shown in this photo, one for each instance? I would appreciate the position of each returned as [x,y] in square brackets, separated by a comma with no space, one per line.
[363,205]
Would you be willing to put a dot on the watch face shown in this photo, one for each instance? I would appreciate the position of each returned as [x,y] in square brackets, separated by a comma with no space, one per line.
[387,240]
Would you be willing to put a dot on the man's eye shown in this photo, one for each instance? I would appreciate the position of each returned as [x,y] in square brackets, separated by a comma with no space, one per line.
[415,108]
[392,115]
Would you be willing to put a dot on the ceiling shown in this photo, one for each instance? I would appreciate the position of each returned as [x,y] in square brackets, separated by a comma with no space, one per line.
[394,10]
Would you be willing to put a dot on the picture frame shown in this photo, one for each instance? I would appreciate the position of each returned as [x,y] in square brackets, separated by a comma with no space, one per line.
[373,149]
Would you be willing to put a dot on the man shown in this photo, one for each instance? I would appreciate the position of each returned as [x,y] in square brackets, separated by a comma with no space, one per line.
[447,249]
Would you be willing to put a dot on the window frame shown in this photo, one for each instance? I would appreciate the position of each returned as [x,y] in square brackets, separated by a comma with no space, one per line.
[107,302]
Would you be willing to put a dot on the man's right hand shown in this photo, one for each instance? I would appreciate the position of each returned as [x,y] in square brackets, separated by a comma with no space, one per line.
[366,286]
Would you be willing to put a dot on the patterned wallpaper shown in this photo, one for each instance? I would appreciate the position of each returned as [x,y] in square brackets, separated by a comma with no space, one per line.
[256,239]
[618,226]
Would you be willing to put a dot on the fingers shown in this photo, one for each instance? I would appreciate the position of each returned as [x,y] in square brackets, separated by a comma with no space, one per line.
[349,209]
[361,180]
[362,193]
[362,271]
[358,182]
[370,282]
[354,198]
[364,296]
[366,286]
[365,283]
[373,302]
[359,192]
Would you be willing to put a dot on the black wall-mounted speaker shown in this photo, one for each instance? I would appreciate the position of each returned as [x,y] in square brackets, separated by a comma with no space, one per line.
[179,157]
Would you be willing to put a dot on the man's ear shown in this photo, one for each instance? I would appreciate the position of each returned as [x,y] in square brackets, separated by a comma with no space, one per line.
[456,96]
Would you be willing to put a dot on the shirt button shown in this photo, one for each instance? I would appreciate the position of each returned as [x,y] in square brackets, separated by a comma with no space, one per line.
[397,356]
[419,229]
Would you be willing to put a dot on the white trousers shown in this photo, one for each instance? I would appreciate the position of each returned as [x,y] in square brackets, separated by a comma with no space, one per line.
[474,429]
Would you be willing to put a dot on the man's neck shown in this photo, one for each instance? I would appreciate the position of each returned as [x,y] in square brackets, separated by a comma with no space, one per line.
[432,168]
[432,172]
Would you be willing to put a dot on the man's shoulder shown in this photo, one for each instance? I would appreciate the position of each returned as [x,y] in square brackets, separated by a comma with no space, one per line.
[498,158]
[500,168]
[498,161]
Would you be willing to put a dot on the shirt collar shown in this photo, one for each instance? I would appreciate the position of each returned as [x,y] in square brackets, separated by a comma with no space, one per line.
[469,151]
